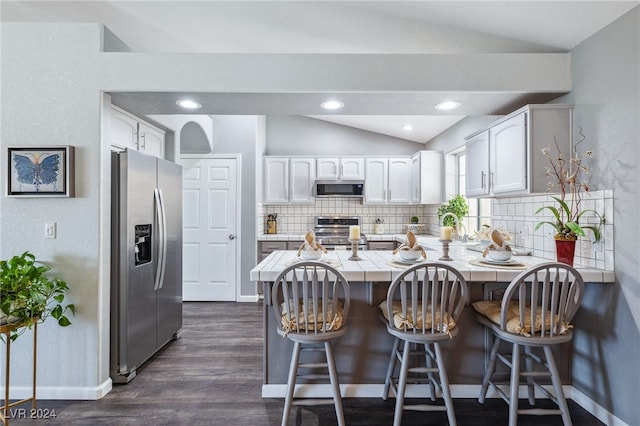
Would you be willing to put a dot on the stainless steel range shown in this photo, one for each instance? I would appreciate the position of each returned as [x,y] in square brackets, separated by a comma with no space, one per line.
[333,232]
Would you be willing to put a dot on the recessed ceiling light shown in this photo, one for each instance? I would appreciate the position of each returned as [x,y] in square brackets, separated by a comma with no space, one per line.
[407,127]
[447,105]
[332,104]
[189,104]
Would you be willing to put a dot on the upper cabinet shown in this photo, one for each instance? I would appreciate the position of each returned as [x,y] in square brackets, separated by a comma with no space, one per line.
[129,131]
[506,159]
[288,179]
[427,177]
[477,171]
[346,168]
[388,180]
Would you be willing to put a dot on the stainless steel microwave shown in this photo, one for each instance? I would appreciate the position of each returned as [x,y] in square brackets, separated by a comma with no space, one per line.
[339,188]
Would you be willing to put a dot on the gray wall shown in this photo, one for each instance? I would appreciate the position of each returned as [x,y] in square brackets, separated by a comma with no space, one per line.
[236,134]
[606,94]
[297,135]
[453,137]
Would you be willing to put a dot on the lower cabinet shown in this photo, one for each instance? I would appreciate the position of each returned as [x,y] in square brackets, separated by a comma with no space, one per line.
[265,248]
[381,245]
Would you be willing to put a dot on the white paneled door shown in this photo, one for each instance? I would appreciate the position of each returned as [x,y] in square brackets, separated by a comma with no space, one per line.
[210,216]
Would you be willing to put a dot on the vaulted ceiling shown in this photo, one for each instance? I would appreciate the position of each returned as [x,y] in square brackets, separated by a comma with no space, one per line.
[345,28]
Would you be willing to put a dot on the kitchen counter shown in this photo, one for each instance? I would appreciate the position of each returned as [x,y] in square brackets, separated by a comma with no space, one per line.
[375,266]
[362,354]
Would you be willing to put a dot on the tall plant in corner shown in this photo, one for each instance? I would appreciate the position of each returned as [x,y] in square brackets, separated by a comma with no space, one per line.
[28,296]
[568,179]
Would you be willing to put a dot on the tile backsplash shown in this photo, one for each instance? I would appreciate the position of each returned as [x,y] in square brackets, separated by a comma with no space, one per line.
[299,218]
[515,215]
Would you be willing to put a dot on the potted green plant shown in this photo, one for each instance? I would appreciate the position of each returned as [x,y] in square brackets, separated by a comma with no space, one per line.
[457,205]
[29,296]
[567,180]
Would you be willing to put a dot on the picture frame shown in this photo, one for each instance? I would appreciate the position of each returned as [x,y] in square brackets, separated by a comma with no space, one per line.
[42,171]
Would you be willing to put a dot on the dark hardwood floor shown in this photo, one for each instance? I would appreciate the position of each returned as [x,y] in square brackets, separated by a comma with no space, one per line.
[212,375]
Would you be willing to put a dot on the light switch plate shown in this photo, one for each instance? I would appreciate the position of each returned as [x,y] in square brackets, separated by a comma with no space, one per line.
[50,230]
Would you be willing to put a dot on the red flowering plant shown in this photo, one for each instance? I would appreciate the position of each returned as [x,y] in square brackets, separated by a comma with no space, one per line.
[567,178]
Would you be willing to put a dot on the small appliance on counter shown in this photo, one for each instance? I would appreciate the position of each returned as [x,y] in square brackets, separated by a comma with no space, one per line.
[272,224]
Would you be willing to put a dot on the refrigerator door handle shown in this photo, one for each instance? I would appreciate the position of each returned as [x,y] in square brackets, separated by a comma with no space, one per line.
[162,239]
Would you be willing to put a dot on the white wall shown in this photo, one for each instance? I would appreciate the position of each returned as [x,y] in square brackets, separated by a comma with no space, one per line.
[297,135]
[51,96]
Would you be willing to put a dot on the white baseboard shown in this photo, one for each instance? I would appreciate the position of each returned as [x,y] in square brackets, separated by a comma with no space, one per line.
[418,391]
[375,391]
[596,410]
[62,392]
[251,298]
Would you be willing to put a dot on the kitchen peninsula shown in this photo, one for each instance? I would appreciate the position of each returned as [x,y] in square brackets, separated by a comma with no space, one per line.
[362,354]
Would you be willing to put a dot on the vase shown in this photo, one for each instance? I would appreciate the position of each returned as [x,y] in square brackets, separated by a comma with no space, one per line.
[565,250]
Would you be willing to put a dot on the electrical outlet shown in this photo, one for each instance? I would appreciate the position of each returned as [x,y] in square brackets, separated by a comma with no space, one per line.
[50,230]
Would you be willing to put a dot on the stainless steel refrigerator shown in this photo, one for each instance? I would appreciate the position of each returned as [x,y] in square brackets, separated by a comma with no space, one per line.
[146,259]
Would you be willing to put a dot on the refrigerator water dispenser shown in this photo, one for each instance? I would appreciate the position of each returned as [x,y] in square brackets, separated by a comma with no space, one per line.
[143,244]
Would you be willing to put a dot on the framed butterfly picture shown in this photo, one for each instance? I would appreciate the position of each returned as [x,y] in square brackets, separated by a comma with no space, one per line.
[45,171]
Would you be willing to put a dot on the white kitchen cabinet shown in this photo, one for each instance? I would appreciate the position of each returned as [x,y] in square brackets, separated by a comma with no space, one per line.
[302,176]
[123,131]
[427,177]
[399,180]
[375,186]
[276,179]
[477,172]
[506,158]
[288,179]
[128,131]
[347,168]
[388,180]
[150,140]
[352,168]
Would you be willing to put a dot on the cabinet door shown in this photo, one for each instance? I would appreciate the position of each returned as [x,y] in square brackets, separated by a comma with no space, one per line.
[276,180]
[381,245]
[150,140]
[123,129]
[508,151]
[427,177]
[399,180]
[302,175]
[375,187]
[415,179]
[352,168]
[265,248]
[328,168]
[477,169]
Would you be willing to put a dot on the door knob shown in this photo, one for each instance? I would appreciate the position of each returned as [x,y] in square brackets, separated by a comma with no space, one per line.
[232,237]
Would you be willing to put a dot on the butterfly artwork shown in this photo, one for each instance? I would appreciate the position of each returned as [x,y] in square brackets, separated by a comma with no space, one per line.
[38,170]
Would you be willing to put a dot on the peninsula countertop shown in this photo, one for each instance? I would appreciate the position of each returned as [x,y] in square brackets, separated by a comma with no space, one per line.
[379,266]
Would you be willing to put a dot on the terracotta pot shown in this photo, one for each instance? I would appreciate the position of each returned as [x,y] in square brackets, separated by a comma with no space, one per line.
[565,250]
